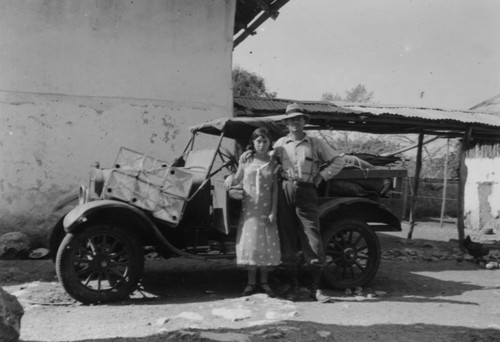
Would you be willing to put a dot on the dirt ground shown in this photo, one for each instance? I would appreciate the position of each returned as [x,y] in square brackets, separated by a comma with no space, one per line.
[422,292]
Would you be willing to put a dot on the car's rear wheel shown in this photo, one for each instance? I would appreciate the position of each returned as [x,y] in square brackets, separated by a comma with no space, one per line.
[352,253]
[99,263]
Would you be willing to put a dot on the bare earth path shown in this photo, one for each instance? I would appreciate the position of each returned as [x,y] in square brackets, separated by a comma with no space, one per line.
[421,293]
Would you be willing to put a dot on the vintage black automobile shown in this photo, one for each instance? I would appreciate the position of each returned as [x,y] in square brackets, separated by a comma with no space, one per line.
[182,209]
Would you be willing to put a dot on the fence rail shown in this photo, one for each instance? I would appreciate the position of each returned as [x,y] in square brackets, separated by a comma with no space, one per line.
[430,197]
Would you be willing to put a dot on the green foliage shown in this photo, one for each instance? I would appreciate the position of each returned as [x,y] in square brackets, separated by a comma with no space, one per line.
[356,94]
[246,83]
[352,142]
[434,168]
[433,161]
[430,198]
[328,96]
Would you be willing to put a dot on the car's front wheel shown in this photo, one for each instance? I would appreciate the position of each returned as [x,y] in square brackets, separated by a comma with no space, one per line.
[352,253]
[99,263]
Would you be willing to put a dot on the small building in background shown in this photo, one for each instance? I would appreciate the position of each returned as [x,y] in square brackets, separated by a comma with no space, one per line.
[482,190]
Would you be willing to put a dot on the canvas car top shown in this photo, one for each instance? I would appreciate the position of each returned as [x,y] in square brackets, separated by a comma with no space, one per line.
[241,128]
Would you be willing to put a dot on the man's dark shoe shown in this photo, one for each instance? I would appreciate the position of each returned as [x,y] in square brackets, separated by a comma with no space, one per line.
[321,297]
[249,290]
[267,290]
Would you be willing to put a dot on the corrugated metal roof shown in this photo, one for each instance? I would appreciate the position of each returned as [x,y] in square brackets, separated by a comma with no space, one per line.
[435,114]
[381,119]
[278,106]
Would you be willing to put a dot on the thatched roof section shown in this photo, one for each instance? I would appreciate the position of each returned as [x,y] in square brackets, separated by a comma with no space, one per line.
[491,105]
[485,149]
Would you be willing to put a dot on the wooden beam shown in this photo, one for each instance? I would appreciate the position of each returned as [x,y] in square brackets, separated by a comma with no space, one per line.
[250,30]
[445,185]
[416,181]
[266,7]
[389,154]
[462,179]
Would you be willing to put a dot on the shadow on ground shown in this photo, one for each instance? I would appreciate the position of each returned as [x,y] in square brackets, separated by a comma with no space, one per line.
[308,331]
[181,280]
[404,281]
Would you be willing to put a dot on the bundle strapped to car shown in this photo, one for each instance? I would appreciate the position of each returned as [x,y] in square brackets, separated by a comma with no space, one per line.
[150,184]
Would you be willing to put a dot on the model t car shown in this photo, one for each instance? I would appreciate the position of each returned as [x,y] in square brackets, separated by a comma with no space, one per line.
[183,209]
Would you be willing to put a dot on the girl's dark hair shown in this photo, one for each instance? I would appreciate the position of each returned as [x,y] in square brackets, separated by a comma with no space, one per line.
[259,132]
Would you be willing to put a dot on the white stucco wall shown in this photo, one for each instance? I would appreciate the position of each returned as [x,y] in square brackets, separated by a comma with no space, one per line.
[82,78]
[482,189]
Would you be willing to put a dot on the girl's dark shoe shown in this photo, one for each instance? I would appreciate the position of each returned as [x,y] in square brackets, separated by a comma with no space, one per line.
[267,290]
[249,290]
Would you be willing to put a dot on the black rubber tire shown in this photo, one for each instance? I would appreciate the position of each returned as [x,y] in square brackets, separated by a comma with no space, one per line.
[55,238]
[99,263]
[352,251]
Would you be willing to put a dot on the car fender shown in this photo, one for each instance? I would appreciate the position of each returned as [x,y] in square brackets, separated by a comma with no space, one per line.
[380,217]
[110,208]
[86,211]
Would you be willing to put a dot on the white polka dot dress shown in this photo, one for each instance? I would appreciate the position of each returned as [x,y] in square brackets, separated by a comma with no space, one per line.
[257,242]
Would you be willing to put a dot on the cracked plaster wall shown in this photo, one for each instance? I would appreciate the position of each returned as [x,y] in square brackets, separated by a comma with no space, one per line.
[81,79]
[482,193]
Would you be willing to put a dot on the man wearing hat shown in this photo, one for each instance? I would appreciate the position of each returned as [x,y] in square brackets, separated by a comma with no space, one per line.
[301,156]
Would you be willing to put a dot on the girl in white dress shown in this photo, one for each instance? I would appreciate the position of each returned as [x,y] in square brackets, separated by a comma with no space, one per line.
[257,240]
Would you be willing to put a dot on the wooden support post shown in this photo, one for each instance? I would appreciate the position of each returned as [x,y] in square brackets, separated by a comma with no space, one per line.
[462,178]
[406,190]
[445,183]
[416,180]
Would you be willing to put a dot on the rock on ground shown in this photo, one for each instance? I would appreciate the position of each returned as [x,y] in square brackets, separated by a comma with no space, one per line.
[14,245]
[10,317]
